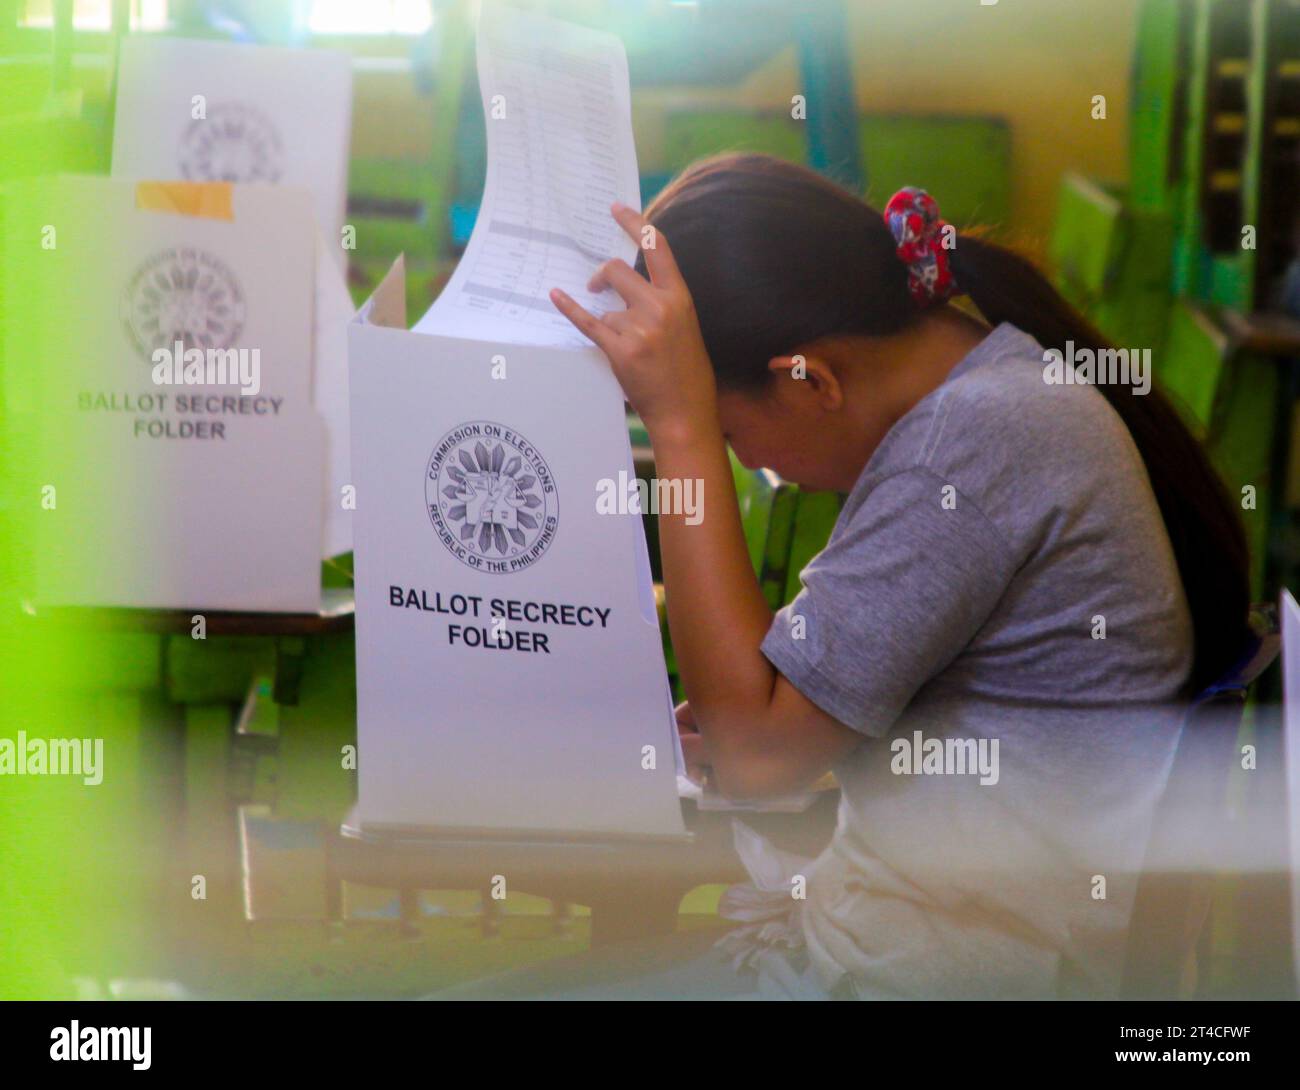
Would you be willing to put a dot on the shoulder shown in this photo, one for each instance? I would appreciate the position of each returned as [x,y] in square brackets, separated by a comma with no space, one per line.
[1001,402]
[1010,440]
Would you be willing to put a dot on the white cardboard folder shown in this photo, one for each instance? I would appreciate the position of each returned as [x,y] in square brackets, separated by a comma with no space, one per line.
[475,489]
[207,111]
[177,496]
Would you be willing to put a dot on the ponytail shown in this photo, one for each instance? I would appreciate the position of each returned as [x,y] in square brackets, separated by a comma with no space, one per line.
[1201,520]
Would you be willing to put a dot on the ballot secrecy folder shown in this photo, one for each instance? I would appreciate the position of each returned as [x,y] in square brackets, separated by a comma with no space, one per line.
[166,490]
[510,670]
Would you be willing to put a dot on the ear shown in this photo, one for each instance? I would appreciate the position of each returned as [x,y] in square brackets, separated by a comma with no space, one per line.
[815,376]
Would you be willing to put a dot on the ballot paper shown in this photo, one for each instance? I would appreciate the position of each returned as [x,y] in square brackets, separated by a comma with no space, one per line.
[221,111]
[170,490]
[560,152]
[510,671]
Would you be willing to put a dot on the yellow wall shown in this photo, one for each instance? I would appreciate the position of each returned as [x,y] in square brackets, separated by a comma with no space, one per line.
[1035,63]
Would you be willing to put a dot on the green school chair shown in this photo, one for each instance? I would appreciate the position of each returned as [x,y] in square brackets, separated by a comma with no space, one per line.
[1228,374]
[1111,261]
[767,506]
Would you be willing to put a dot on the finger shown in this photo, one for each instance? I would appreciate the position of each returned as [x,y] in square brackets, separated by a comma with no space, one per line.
[659,260]
[587,323]
[620,276]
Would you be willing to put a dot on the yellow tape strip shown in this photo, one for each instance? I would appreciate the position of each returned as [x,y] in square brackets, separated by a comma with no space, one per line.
[207,200]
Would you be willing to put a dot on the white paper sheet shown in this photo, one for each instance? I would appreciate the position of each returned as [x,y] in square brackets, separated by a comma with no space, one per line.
[560,152]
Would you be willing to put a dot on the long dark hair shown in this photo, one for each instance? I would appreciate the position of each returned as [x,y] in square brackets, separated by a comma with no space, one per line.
[777,256]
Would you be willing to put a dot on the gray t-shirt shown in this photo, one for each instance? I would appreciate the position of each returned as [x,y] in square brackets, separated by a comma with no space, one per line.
[1001,529]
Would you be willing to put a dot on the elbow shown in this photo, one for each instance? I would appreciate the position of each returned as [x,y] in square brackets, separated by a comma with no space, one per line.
[746,778]
[750,756]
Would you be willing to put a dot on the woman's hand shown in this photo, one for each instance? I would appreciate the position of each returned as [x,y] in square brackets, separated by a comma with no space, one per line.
[699,763]
[685,718]
[695,747]
[654,346]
